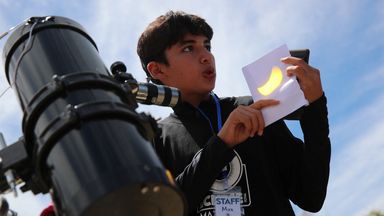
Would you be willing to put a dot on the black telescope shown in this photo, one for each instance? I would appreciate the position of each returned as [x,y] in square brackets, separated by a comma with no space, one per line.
[84,142]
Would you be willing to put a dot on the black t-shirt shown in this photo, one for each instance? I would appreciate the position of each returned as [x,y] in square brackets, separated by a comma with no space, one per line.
[265,171]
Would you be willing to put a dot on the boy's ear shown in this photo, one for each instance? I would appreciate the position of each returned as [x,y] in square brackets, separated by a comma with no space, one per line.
[155,69]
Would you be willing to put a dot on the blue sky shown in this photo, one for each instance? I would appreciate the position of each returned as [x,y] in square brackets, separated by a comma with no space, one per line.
[346,42]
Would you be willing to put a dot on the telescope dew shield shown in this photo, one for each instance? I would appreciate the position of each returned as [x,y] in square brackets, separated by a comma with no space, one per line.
[83,137]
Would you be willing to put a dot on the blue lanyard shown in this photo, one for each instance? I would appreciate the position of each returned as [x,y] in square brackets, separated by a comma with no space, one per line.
[218,113]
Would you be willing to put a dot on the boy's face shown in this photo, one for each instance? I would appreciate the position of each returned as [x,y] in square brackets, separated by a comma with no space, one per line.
[191,66]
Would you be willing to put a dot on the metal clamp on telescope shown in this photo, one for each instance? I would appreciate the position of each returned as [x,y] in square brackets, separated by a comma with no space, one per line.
[146,93]
[83,140]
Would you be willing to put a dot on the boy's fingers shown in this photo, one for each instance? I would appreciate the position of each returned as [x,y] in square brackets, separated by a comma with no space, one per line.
[295,70]
[250,117]
[264,103]
[296,61]
[261,124]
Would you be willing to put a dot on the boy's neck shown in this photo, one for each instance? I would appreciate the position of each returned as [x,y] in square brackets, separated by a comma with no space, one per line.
[194,99]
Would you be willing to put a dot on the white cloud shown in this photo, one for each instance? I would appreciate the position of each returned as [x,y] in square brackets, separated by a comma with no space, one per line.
[371,79]
[356,167]
[6,3]
[10,117]
[27,204]
[254,27]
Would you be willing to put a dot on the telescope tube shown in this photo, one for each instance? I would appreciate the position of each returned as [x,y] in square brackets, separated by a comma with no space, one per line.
[86,143]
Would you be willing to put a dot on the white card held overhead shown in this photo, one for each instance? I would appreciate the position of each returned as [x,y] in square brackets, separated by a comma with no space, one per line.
[267,79]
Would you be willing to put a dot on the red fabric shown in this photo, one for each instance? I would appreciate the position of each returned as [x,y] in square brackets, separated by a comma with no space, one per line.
[49,211]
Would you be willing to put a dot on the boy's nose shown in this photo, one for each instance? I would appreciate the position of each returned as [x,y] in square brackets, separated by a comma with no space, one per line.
[205,58]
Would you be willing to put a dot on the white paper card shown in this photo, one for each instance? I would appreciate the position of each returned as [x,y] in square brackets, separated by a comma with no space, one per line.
[267,79]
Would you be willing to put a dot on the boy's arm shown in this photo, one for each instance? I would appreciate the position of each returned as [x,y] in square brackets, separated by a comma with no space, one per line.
[310,177]
[199,175]
[312,171]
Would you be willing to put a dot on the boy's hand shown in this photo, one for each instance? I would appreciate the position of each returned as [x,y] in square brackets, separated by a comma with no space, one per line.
[308,77]
[244,122]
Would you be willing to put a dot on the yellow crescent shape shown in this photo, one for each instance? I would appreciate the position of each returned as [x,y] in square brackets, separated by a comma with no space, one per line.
[273,82]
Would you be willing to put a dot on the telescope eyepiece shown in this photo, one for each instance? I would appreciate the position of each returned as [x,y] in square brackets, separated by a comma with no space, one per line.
[117,67]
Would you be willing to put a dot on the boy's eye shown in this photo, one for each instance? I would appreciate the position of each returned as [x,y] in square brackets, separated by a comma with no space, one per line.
[187,49]
[208,47]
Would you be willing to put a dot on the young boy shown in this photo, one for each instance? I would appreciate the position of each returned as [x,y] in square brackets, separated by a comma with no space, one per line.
[223,158]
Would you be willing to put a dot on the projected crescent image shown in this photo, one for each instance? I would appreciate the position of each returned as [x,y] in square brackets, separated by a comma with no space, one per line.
[272,83]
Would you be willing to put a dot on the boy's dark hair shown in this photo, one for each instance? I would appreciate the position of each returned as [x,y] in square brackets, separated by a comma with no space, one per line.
[166,31]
